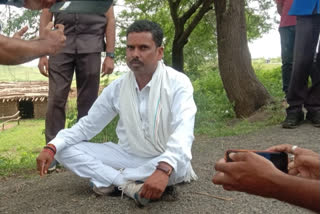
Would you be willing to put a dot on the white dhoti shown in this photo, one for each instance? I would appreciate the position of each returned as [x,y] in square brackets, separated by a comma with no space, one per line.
[103,163]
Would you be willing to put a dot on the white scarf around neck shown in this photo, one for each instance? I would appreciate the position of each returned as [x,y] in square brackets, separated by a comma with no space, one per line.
[158,113]
[159,116]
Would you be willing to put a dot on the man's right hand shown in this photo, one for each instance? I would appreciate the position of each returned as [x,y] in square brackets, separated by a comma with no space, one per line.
[53,40]
[43,66]
[43,162]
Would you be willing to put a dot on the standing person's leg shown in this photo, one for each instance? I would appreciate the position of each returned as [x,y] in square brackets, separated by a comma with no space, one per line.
[287,37]
[305,44]
[88,79]
[61,68]
[312,103]
[315,71]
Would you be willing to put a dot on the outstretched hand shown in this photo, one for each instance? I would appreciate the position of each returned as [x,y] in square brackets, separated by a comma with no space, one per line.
[248,172]
[53,40]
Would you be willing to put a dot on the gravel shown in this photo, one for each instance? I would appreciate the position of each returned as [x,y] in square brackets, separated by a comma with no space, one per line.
[66,193]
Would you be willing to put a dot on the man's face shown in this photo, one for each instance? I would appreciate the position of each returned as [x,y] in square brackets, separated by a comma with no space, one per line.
[38,4]
[142,53]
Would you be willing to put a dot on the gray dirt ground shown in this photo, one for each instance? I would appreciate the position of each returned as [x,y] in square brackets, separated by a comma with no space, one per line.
[65,193]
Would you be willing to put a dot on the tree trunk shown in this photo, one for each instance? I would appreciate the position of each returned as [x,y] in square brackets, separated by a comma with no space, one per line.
[240,82]
[184,25]
[177,56]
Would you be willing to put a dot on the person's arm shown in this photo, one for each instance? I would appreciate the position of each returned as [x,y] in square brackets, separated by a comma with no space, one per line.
[110,34]
[279,6]
[99,115]
[30,4]
[256,175]
[183,108]
[178,152]
[45,17]
[15,51]
[299,191]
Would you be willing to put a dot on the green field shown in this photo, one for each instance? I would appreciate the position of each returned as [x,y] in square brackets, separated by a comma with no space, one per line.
[20,73]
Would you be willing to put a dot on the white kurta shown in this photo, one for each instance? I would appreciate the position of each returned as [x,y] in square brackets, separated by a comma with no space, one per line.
[100,162]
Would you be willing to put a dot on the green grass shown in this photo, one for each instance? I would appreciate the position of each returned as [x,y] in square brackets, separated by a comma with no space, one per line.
[215,116]
[20,73]
[106,135]
[19,146]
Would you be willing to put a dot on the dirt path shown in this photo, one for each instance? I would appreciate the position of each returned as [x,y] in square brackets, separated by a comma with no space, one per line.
[65,193]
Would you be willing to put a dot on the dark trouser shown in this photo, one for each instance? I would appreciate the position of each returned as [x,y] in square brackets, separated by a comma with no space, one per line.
[307,35]
[287,37]
[61,69]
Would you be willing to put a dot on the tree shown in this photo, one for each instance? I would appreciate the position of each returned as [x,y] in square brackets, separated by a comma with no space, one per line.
[13,20]
[200,45]
[258,17]
[185,17]
[239,80]
[185,23]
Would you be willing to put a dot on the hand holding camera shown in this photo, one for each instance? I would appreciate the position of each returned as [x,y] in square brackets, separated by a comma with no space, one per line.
[257,172]
[305,163]
[279,159]
[248,172]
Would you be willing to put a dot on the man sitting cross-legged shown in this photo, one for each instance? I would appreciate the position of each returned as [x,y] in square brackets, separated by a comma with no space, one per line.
[155,130]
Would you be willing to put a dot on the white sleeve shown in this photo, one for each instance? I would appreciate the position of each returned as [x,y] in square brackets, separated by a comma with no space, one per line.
[99,115]
[178,151]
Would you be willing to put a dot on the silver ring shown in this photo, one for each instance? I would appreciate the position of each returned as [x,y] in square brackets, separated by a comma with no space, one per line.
[291,157]
[294,148]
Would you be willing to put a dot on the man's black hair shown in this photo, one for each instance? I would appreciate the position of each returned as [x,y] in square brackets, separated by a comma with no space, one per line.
[147,26]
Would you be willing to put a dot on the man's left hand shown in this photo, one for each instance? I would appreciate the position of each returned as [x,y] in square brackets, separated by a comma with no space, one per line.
[107,66]
[155,185]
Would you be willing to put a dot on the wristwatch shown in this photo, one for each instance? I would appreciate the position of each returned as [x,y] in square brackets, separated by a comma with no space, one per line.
[110,54]
[164,168]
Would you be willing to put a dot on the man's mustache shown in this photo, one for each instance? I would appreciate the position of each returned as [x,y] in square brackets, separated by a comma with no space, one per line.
[136,61]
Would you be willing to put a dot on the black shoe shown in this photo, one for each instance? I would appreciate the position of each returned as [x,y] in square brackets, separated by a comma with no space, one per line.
[53,166]
[293,119]
[314,118]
